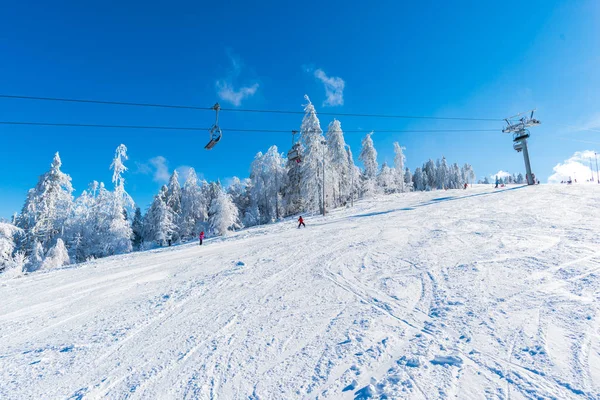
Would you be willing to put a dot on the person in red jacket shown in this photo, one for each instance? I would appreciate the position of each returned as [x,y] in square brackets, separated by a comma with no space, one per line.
[301,222]
[201,237]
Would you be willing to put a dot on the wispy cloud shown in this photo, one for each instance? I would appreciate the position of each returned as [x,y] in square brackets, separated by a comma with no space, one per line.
[334,87]
[226,89]
[160,166]
[501,175]
[575,167]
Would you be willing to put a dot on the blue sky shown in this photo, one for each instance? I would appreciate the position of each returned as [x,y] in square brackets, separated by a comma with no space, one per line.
[466,59]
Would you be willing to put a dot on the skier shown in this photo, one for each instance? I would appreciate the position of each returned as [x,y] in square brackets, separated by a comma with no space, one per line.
[301,222]
[201,237]
[497,182]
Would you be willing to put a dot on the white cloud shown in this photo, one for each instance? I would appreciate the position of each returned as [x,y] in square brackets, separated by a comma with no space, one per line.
[228,93]
[577,167]
[334,88]
[161,169]
[226,89]
[501,175]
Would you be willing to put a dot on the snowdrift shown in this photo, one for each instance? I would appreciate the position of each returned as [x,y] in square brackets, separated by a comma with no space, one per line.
[477,293]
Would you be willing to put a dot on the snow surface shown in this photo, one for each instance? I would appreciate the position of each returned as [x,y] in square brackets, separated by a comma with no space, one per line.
[475,294]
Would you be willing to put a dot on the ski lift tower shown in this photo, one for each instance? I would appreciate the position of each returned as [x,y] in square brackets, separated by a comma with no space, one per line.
[518,127]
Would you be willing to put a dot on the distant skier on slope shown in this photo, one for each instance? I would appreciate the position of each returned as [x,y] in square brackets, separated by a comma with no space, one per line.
[497,182]
[201,237]
[301,222]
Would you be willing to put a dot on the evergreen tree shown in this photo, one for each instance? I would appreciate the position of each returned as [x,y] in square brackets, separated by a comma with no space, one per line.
[137,228]
[408,179]
[223,214]
[268,177]
[8,234]
[368,156]
[46,209]
[311,181]
[159,226]
[399,160]
[443,173]
[57,256]
[194,209]
[339,168]
[429,174]
[120,233]
[173,202]
[386,179]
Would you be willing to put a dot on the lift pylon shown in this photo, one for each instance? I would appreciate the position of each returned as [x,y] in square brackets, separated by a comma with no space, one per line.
[518,127]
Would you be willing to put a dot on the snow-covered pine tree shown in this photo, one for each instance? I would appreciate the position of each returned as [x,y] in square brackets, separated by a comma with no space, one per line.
[292,192]
[338,171]
[355,179]
[368,156]
[418,179]
[194,208]
[8,234]
[399,160]
[240,194]
[158,223]
[442,174]
[223,214]
[408,180]
[137,228]
[429,175]
[311,173]
[386,179]
[46,208]
[120,233]
[268,177]
[486,181]
[520,178]
[57,256]
[173,202]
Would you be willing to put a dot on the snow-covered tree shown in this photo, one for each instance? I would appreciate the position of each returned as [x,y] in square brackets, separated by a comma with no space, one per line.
[311,167]
[442,174]
[223,214]
[338,169]
[408,180]
[8,234]
[46,209]
[268,178]
[419,181]
[194,208]
[520,178]
[429,172]
[137,228]
[120,233]
[56,257]
[173,202]
[240,194]
[368,156]
[355,179]
[399,160]
[386,179]
[159,226]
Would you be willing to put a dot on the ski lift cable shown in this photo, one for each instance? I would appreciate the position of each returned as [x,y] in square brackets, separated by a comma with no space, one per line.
[187,107]
[195,129]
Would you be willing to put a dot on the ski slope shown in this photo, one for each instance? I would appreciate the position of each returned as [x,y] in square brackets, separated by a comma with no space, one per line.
[466,294]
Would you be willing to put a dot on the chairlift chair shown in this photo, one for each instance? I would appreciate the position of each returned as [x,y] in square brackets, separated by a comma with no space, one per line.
[215,136]
[215,131]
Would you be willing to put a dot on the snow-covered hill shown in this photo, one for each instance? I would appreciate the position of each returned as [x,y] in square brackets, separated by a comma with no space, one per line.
[469,294]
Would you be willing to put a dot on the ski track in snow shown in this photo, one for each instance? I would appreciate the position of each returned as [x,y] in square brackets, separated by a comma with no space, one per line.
[469,294]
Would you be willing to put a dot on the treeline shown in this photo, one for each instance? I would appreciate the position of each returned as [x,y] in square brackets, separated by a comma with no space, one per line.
[54,228]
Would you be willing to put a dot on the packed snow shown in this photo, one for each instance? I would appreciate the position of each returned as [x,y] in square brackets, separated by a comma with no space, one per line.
[469,294]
